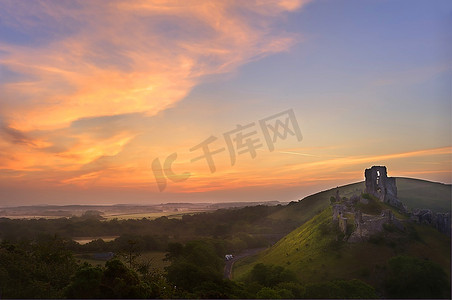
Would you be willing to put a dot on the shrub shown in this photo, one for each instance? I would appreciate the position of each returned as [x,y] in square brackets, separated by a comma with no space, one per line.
[339,289]
[269,275]
[267,293]
[389,227]
[411,277]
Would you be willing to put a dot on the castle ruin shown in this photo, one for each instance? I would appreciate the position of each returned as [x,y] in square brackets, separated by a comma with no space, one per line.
[381,186]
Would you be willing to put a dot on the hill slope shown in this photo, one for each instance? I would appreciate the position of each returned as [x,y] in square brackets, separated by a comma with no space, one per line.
[314,252]
[414,193]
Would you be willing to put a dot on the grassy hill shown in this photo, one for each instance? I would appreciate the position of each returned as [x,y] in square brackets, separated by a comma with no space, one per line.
[414,193]
[315,254]
[310,206]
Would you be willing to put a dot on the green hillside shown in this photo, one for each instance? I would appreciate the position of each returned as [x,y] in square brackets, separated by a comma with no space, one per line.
[315,254]
[416,193]
[312,252]
[310,206]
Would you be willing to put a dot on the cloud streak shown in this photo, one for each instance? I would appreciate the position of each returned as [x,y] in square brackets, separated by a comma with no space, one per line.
[88,60]
[117,57]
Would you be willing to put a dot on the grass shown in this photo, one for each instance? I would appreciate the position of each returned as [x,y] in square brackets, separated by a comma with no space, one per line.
[156,258]
[310,206]
[414,193]
[373,205]
[90,261]
[151,215]
[314,254]
[86,240]
[417,193]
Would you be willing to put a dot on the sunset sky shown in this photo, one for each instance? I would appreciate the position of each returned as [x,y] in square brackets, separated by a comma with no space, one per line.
[95,93]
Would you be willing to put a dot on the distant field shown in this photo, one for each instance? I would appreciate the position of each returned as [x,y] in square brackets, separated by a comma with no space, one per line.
[86,240]
[31,217]
[153,215]
[124,216]
[155,258]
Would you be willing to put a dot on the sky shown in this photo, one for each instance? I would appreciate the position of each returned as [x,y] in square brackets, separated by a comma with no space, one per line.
[145,102]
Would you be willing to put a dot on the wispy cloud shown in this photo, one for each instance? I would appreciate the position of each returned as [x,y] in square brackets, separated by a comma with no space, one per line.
[86,60]
[354,160]
[116,57]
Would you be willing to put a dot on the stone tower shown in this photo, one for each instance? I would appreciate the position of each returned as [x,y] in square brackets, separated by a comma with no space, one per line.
[381,186]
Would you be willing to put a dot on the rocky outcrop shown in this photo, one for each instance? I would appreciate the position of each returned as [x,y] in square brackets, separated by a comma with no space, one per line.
[440,221]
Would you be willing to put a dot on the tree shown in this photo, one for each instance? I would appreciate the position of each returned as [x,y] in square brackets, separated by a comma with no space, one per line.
[115,280]
[270,275]
[174,251]
[411,277]
[194,265]
[339,289]
[118,281]
[267,293]
[35,270]
[86,283]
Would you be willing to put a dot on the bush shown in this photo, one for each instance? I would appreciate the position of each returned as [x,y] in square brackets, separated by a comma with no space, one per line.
[373,207]
[389,227]
[296,289]
[195,266]
[35,270]
[325,228]
[270,276]
[377,239]
[411,277]
[339,289]
[267,293]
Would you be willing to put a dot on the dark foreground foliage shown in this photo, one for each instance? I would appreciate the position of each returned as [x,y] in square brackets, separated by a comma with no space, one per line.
[36,265]
[275,282]
[411,277]
[45,268]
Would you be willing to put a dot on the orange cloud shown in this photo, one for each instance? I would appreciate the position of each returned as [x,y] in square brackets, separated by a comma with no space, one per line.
[130,56]
[106,58]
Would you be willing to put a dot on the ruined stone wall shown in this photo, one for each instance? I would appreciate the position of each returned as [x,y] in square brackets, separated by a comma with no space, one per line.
[383,187]
[343,224]
[376,178]
[338,210]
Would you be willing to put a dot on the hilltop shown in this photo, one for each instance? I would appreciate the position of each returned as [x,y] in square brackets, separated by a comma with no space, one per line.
[414,193]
